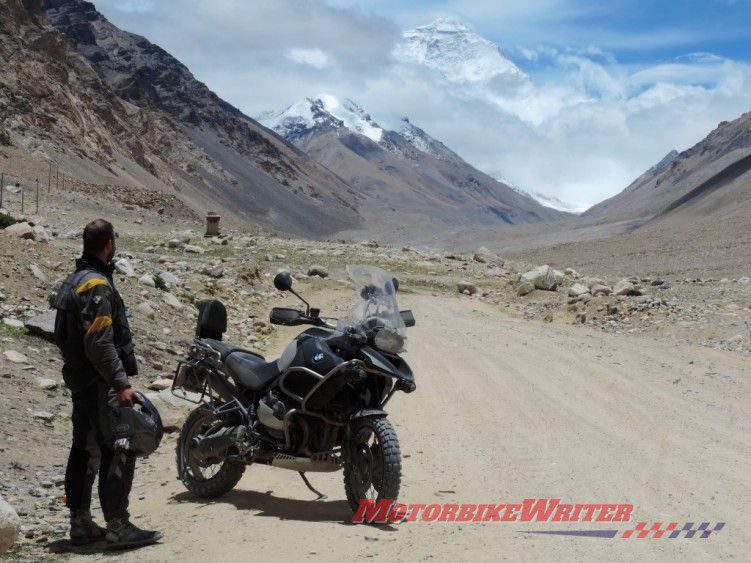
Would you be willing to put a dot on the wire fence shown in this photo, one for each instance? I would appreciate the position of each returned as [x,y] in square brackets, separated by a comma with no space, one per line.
[22,194]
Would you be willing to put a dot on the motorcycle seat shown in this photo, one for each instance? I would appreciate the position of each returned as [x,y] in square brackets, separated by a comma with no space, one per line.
[225,349]
[251,371]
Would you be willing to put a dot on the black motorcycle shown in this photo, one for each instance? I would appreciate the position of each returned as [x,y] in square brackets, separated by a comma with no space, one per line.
[318,408]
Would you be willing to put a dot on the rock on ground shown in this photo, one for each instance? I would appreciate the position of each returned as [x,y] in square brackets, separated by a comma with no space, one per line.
[13,323]
[160,384]
[38,273]
[577,290]
[599,289]
[168,278]
[524,287]
[145,308]
[21,230]
[626,287]
[172,420]
[544,277]
[467,288]
[485,256]
[47,384]
[319,271]
[15,357]
[43,325]
[10,526]
[124,266]
[172,301]
[147,280]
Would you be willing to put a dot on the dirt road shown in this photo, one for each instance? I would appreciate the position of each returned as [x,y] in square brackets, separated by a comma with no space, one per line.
[506,410]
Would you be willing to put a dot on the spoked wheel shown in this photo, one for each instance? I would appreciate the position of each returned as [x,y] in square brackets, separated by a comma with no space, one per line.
[207,478]
[374,469]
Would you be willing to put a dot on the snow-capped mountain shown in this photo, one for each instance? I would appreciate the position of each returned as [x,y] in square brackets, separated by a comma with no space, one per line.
[460,54]
[410,181]
[326,113]
[421,140]
[321,113]
[548,201]
[555,203]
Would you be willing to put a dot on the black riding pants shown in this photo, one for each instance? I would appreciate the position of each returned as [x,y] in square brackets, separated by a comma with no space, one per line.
[93,451]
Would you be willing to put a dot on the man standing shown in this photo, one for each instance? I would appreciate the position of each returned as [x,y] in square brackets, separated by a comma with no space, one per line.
[92,332]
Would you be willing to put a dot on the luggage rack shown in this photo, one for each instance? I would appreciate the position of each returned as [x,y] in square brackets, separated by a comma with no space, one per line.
[201,352]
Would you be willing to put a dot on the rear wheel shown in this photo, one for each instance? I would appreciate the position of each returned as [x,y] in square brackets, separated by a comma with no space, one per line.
[374,468]
[207,478]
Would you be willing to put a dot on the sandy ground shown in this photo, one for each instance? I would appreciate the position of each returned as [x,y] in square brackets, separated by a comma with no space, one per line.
[505,410]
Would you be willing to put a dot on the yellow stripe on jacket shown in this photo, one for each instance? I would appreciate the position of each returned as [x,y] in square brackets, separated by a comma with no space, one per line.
[90,284]
[100,323]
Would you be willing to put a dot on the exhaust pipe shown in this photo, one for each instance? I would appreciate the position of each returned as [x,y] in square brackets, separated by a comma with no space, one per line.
[303,464]
[218,443]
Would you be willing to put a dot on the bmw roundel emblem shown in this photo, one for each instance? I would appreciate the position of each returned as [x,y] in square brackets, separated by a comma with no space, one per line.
[318,357]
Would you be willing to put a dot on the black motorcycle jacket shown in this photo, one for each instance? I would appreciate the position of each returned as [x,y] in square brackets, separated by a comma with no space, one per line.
[91,328]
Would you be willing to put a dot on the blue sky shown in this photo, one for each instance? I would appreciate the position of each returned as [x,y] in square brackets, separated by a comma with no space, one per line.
[635,31]
[611,87]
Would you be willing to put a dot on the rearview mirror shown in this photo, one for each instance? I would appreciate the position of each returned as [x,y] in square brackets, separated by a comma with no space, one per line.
[283,281]
[408,318]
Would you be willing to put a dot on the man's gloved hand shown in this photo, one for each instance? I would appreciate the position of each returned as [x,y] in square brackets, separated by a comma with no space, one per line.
[126,397]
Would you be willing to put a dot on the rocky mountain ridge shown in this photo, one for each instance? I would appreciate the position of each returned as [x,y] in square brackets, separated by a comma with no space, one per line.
[405,170]
[113,108]
[709,181]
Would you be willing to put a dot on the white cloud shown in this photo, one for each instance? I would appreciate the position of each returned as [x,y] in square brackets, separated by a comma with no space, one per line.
[581,129]
[312,57]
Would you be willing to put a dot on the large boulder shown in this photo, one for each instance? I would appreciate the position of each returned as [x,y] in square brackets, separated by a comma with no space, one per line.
[40,234]
[577,290]
[124,266]
[524,287]
[172,420]
[10,526]
[12,323]
[160,384]
[15,357]
[599,289]
[172,301]
[146,309]
[21,230]
[626,287]
[543,277]
[43,325]
[168,278]
[485,256]
[147,280]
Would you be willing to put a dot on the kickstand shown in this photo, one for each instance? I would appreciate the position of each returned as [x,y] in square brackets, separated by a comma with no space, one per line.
[321,496]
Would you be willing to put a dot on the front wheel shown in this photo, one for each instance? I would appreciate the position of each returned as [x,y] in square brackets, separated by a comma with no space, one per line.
[373,470]
[206,478]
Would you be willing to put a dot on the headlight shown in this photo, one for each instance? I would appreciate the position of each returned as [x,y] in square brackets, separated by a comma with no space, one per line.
[388,341]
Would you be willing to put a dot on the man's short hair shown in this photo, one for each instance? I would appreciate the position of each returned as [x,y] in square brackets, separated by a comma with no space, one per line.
[96,235]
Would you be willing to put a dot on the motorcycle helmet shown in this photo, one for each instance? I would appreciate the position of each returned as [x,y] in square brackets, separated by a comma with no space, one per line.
[138,429]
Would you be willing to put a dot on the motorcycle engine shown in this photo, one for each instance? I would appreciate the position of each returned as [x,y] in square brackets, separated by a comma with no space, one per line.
[271,411]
